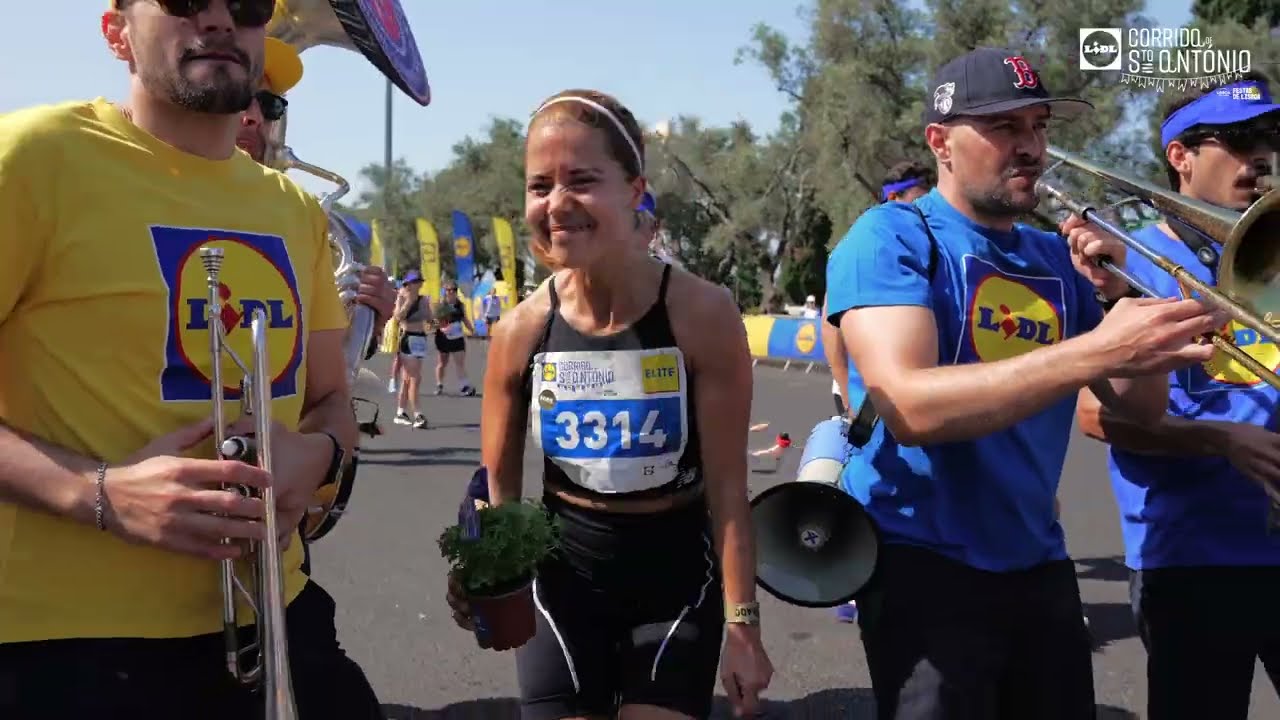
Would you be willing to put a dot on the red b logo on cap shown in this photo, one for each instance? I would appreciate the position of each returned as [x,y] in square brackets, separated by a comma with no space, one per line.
[1025,76]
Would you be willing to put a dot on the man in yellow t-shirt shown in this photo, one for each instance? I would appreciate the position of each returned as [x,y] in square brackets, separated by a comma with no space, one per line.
[111,513]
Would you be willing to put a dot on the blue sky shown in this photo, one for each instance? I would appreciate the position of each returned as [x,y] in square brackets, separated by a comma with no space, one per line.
[484,58]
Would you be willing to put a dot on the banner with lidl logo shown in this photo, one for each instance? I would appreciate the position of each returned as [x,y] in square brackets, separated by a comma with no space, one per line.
[464,256]
[783,337]
[377,252]
[429,252]
[506,242]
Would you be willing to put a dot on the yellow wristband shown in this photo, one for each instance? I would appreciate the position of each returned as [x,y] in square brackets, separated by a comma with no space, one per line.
[742,613]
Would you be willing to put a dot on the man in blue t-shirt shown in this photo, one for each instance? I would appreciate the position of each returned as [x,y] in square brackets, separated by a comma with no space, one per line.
[972,336]
[1205,566]
[905,182]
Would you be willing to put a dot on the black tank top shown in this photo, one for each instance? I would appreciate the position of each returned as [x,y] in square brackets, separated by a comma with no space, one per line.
[614,415]
[413,314]
[450,315]
[451,312]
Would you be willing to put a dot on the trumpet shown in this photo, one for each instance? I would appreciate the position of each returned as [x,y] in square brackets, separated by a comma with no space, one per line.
[266,598]
[1248,275]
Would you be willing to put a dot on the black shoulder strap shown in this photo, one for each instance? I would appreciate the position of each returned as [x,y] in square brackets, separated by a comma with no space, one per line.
[1201,245]
[864,423]
[551,290]
[933,242]
[662,289]
[543,336]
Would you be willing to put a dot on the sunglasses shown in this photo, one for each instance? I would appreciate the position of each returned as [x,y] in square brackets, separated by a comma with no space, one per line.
[1241,139]
[244,13]
[271,105]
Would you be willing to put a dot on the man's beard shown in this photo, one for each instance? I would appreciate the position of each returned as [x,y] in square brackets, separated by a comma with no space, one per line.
[222,94]
[999,201]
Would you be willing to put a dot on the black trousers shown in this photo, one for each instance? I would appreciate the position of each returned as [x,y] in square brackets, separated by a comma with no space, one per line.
[1204,629]
[948,642]
[143,679]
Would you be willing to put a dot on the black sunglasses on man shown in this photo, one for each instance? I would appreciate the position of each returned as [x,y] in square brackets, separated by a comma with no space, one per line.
[272,105]
[245,13]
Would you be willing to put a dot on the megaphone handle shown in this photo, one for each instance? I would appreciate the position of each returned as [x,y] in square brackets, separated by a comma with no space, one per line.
[864,424]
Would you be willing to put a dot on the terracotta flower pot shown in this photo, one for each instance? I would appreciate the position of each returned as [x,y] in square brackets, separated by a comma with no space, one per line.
[504,621]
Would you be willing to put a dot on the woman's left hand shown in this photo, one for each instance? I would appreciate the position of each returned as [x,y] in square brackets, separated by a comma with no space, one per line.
[745,670]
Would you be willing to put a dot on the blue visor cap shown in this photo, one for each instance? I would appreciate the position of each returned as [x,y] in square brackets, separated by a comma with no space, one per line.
[648,204]
[1235,103]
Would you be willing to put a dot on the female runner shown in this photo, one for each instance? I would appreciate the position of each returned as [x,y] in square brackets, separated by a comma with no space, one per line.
[635,380]
[413,314]
[451,320]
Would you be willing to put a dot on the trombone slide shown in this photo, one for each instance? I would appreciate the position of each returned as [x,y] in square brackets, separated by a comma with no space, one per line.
[1207,292]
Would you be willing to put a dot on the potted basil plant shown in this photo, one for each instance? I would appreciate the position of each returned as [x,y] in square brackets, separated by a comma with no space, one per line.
[494,553]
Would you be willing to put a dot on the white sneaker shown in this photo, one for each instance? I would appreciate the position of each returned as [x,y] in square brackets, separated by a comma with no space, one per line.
[392,388]
[402,418]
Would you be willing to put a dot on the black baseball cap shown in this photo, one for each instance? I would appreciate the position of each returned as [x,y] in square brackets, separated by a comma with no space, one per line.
[986,81]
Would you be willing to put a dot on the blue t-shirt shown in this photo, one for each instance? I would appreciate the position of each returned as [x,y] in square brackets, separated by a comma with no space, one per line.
[988,502]
[1180,511]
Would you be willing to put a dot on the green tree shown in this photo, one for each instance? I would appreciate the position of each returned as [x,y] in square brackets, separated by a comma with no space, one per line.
[390,198]
[859,83]
[485,179]
[1244,12]
[743,198]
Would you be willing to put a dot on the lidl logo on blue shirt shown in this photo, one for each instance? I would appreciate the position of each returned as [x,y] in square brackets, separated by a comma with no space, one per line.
[1009,314]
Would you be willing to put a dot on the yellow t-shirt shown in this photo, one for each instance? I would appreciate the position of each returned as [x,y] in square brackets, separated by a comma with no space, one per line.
[103,346]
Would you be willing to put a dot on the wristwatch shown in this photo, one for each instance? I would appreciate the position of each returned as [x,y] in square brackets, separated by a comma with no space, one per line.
[335,463]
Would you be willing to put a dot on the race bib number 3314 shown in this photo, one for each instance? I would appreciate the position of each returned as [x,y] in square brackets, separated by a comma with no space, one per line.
[600,428]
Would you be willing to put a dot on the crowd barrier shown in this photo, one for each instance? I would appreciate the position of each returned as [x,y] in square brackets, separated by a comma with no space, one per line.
[775,339]
[785,339]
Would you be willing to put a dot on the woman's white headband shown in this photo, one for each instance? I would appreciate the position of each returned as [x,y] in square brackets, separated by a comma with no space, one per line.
[622,130]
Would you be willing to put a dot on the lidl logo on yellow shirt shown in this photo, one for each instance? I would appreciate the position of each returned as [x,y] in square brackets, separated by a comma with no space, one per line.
[661,374]
[256,274]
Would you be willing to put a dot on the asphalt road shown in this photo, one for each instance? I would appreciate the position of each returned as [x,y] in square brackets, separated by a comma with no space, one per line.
[382,565]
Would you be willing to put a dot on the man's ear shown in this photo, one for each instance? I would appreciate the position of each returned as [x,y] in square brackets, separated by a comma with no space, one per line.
[937,140]
[116,33]
[1179,157]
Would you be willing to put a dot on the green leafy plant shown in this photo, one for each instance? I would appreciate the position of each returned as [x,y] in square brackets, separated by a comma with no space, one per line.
[514,538]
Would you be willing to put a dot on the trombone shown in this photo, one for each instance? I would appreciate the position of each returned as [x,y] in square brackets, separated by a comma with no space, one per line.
[267,598]
[1248,277]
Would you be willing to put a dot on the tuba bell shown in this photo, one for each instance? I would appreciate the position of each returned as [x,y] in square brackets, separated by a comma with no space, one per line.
[385,39]
[382,37]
